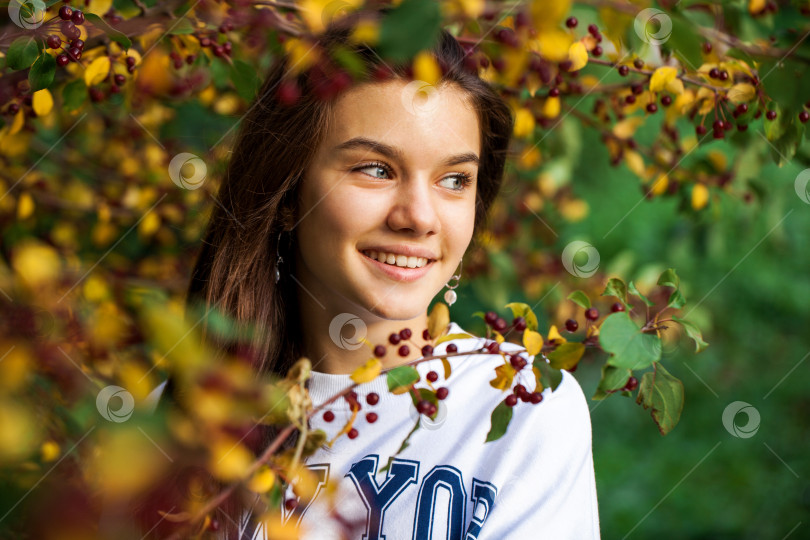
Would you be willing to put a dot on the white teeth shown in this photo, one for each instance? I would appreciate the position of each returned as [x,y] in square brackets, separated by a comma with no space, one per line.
[402,261]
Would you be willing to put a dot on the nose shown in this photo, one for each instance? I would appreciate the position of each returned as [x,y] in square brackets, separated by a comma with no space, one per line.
[415,208]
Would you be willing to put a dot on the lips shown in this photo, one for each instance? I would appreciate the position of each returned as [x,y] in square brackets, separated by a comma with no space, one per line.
[396,272]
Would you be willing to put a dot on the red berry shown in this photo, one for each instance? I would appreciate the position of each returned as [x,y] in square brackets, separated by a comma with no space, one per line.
[328,416]
[426,334]
[519,390]
[373,398]
[727,125]
[423,406]
[652,107]
[554,92]
[500,325]
[432,376]
[742,108]
[14,108]
[405,333]
[77,17]
[618,306]
[205,42]
[638,63]
[490,317]
[742,127]
[519,323]
[517,361]
[442,392]
[624,70]
[630,99]
[592,314]
[666,101]
[593,30]
[700,130]
[403,350]
[288,93]
[571,325]
[724,75]
[804,116]
[535,398]
[371,417]
[394,339]
[770,115]
[571,22]
[379,351]
[353,433]
[96,95]
[290,504]
[632,384]
[65,12]
[707,47]
[597,51]
[54,41]
[130,61]
[451,348]
[637,89]
[714,73]
[511,400]
[62,60]
[219,50]
[493,347]
[718,133]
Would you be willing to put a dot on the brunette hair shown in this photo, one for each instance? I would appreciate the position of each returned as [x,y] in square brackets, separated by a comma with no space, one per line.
[234,272]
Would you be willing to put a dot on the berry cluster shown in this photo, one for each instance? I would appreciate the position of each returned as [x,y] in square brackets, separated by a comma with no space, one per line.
[71,19]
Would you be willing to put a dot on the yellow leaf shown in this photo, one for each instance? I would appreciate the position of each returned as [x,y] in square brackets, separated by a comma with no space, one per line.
[660,185]
[524,123]
[625,129]
[498,337]
[554,336]
[366,32]
[425,68]
[592,331]
[547,14]
[700,196]
[367,372]
[229,460]
[538,377]
[18,123]
[675,86]
[262,480]
[533,341]
[25,206]
[741,93]
[551,107]
[578,55]
[634,162]
[149,224]
[566,356]
[37,263]
[574,210]
[438,319]
[99,7]
[15,369]
[42,102]
[49,451]
[529,157]
[552,44]
[97,71]
[718,160]
[318,14]
[661,77]
[503,377]
[756,6]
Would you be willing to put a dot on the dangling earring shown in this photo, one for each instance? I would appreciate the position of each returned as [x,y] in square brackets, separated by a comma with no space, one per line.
[279,260]
[450,296]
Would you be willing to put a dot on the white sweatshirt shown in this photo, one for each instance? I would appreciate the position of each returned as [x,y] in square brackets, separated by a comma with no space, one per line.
[537,481]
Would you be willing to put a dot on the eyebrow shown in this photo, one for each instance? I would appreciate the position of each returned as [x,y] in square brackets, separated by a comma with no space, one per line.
[395,153]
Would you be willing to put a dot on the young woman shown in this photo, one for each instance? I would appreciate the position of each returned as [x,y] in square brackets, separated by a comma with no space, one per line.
[356,209]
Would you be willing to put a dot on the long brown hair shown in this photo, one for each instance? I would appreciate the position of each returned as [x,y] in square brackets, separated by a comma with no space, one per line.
[234,272]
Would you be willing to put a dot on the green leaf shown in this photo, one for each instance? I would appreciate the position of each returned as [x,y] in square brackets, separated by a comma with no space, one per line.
[631,348]
[632,289]
[613,379]
[451,337]
[245,79]
[616,287]
[580,298]
[408,28]
[22,52]
[693,332]
[184,26]
[425,393]
[684,42]
[351,61]
[111,32]
[520,309]
[74,94]
[567,355]
[670,279]
[662,393]
[41,74]
[402,377]
[551,377]
[500,419]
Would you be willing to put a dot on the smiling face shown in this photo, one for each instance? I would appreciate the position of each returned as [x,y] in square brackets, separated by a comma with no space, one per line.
[394,179]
